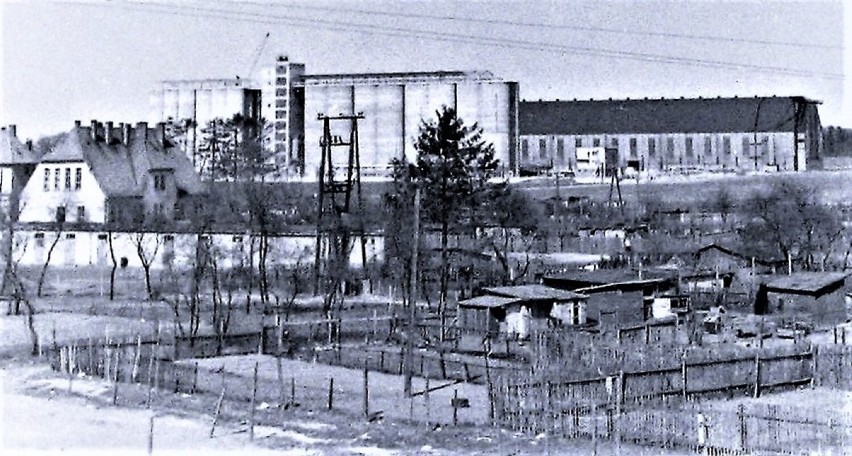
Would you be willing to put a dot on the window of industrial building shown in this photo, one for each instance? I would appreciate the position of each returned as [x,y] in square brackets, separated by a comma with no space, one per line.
[39,239]
[670,147]
[542,148]
[747,147]
[60,214]
[596,142]
[81,213]
[652,147]
[560,149]
[47,179]
[78,178]
[578,142]
[726,145]
[634,149]
[525,149]
[614,142]
[708,146]
[56,177]
[688,145]
[67,178]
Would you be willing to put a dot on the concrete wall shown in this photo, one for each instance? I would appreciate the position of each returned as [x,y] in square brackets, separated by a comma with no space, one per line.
[670,151]
[84,248]
[394,111]
[39,205]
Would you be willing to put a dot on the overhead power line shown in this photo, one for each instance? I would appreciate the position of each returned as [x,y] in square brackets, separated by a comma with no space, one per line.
[540,25]
[373,29]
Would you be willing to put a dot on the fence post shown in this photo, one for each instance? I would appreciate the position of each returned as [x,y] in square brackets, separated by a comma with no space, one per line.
[280,371]
[194,378]
[218,407]
[757,375]
[151,434]
[292,391]
[455,407]
[814,354]
[366,390]
[330,392]
[647,333]
[252,403]
[683,376]
[742,421]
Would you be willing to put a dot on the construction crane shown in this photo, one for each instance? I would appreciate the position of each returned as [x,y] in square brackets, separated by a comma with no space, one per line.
[256,56]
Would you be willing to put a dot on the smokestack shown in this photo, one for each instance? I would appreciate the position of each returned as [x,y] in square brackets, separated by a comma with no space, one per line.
[125,134]
[107,131]
[13,130]
[94,130]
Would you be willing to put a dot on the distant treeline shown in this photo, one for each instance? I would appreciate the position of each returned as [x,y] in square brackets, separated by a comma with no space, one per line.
[837,142]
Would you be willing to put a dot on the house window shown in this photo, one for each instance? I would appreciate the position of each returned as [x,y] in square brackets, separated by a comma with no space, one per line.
[708,146]
[78,178]
[670,147]
[81,213]
[39,240]
[47,179]
[237,239]
[60,214]
[614,142]
[726,145]
[596,142]
[56,178]
[578,142]
[160,182]
[67,178]
[633,148]
[689,147]
[525,149]
[652,147]
[746,145]
[560,149]
[542,148]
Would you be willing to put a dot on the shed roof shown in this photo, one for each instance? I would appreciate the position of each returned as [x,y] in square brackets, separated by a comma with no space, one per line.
[534,292]
[807,282]
[693,115]
[489,302]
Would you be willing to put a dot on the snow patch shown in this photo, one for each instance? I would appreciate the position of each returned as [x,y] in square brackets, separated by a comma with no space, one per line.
[309,425]
[372,451]
[301,438]
[83,388]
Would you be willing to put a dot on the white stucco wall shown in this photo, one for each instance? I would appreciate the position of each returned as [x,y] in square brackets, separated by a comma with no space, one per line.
[38,205]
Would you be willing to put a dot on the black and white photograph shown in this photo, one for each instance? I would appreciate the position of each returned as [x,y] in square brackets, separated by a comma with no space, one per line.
[426,227]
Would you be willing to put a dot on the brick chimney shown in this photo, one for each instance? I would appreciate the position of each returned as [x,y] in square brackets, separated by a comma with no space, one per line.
[94,130]
[161,132]
[125,134]
[107,131]
[13,130]
[142,129]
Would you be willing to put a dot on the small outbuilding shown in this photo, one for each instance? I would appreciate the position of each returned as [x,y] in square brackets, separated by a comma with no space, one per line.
[520,310]
[815,296]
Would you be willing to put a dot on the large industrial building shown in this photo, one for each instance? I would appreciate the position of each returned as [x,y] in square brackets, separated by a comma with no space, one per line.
[393,106]
[671,135]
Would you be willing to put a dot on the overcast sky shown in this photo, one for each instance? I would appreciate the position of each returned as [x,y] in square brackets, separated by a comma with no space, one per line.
[100,60]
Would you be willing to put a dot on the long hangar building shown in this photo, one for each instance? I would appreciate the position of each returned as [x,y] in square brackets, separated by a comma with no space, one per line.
[649,136]
[663,135]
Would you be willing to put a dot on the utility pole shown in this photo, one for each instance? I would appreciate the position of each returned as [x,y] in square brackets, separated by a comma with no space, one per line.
[754,143]
[412,296]
[336,223]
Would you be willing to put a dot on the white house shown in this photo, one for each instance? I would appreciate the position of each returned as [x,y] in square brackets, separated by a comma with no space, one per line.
[100,174]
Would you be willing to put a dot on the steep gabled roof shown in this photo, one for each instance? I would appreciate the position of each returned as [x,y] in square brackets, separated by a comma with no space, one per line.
[13,152]
[768,262]
[122,169]
[694,115]
[808,283]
